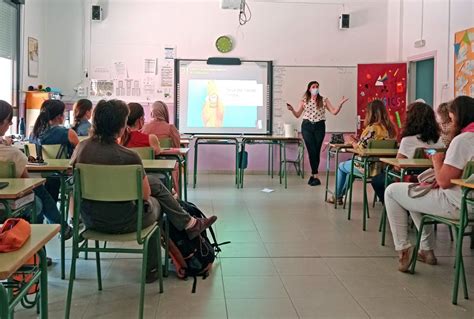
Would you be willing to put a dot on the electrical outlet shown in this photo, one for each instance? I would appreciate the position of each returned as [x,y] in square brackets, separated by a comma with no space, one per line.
[81,91]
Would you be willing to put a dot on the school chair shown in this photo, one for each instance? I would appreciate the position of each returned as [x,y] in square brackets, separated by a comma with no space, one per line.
[147,153]
[53,151]
[460,226]
[373,144]
[298,162]
[111,183]
[165,142]
[7,169]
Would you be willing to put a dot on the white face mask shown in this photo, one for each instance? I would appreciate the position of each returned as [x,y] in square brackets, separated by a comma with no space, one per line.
[314,91]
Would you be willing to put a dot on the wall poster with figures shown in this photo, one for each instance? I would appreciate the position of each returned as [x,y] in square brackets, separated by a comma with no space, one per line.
[386,82]
[464,63]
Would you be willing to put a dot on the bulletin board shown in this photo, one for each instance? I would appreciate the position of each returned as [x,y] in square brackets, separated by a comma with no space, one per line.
[464,63]
[384,81]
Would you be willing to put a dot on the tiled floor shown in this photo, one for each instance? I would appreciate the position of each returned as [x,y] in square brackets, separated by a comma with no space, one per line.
[292,256]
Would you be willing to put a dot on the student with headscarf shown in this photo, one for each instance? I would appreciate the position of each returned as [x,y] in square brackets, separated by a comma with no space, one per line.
[160,124]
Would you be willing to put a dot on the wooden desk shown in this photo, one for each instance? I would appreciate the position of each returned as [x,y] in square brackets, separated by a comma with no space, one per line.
[404,163]
[333,151]
[462,183]
[271,140]
[50,165]
[19,187]
[216,140]
[12,262]
[159,165]
[363,157]
[180,155]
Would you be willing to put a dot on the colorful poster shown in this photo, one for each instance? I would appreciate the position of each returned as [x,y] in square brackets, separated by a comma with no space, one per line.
[464,63]
[387,82]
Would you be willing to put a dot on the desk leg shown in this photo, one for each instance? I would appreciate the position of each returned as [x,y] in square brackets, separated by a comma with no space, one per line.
[351,180]
[284,165]
[63,222]
[383,219]
[185,177]
[3,302]
[43,284]
[237,164]
[269,156]
[272,158]
[195,162]
[328,167]
[281,157]
[366,202]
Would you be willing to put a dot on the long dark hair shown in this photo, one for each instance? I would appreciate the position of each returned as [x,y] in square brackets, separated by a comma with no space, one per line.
[307,95]
[80,109]
[421,121]
[109,118]
[6,111]
[50,109]
[463,109]
[136,112]
[377,113]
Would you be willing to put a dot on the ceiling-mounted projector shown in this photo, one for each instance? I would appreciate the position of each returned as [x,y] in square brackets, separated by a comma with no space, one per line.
[231,4]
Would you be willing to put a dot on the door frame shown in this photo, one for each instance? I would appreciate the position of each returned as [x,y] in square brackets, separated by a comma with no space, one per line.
[421,57]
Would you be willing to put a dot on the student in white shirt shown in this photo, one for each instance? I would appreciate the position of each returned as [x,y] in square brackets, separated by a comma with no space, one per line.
[13,154]
[443,201]
[420,131]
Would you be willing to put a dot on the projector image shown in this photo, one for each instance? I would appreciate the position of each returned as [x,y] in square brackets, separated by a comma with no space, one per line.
[231,4]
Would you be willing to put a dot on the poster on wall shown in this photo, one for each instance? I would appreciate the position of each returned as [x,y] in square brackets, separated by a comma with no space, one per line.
[386,82]
[464,63]
[33,57]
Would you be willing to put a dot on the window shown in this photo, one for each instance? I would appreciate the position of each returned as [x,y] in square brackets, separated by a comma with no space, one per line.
[9,43]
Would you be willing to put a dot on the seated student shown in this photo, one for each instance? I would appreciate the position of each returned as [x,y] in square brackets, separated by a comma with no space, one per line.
[108,124]
[48,130]
[160,125]
[82,115]
[445,123]
[421,131]
[13,154]
[377,127]
[132,137]
[444,200]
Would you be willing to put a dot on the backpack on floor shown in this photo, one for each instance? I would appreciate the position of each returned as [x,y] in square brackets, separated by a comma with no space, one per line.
[192,257]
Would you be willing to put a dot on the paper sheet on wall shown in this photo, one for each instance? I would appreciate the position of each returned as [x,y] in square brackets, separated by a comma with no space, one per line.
[166,76]
[151,66]
[120,69]
[102,88]
[170,53]
[100,72]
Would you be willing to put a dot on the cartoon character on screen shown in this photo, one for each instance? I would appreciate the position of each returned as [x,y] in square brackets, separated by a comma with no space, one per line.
[213,109]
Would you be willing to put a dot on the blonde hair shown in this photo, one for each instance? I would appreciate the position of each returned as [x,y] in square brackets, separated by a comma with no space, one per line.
[159,111]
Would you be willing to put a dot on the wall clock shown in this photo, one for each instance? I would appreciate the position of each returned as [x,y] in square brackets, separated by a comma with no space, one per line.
[224,44]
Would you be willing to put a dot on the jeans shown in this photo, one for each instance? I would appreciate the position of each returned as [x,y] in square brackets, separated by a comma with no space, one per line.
[397,203]
[378,184]
[313,135]
[49,208]
[343,172]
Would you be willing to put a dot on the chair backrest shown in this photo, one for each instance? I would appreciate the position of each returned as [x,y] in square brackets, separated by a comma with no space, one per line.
[468,170]
[49,151]
[382,144]
[109,183]
[30,149]
[7,170]
[420,151]
[165,142]
[146,153]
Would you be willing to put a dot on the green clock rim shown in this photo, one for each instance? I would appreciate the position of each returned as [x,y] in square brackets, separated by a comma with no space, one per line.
[227,44]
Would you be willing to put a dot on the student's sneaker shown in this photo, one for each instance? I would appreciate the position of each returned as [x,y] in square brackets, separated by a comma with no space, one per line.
[151,276]
[49,261]
[201,225]
[68,232]
[427,257]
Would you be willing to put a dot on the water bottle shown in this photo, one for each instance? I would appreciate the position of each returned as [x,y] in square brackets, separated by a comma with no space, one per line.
[22,128]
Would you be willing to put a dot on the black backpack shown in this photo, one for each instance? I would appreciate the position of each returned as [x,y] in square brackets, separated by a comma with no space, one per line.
[192,257]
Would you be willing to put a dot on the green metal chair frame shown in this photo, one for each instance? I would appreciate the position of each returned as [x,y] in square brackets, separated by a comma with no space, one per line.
[111,183]
[460,226]
[146,153]
[165,142]
[53,151]
[373,144]
[298,162]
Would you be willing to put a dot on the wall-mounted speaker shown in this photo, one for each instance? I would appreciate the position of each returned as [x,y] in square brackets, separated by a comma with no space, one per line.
[96,13]
[344,21]
[18,1]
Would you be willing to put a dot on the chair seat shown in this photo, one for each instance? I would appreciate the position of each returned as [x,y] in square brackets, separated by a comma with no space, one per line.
[95,235]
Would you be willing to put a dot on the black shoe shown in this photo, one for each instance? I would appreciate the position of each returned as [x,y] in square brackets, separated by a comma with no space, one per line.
[201,225]
[151,276]
[68,232]
[49,261]
[310,180]
[315,182]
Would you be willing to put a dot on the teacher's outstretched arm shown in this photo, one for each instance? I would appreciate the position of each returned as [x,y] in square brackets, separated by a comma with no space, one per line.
[298,113]
[333,109]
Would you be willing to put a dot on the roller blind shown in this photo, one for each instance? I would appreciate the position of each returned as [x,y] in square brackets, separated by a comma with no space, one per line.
[7,30]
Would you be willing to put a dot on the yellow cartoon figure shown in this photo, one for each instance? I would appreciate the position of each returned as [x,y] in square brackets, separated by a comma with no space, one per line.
[213,110]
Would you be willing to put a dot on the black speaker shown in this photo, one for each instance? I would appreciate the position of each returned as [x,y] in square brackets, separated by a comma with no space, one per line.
[224,61]
[18,1]
[96,13]
[344,21]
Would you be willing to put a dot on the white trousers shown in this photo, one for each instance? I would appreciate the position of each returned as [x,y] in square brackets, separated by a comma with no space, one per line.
[397,203]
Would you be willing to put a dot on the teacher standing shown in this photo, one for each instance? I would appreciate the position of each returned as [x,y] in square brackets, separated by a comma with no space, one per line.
[313,107]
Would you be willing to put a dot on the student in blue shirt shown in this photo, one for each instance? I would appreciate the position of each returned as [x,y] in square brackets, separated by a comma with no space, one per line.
[82,115]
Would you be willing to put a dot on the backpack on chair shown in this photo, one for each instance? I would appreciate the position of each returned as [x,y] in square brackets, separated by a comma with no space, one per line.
[192,257]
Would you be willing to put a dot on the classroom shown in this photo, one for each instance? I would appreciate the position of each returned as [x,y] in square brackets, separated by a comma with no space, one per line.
[236,159]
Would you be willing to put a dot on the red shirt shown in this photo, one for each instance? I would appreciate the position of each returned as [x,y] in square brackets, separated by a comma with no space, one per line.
[138,139]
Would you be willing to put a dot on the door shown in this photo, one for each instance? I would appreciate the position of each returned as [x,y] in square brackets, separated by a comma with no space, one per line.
[422,80]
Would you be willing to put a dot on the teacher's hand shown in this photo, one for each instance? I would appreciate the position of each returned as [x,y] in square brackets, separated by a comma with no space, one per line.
[344,100]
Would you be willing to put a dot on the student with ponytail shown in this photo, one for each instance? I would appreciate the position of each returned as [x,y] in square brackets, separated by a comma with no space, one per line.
[82,115]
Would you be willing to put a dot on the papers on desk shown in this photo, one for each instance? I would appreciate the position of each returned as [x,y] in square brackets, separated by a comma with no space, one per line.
[267,190]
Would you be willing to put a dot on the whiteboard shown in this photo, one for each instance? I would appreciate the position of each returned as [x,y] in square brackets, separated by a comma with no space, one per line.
[289,85]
